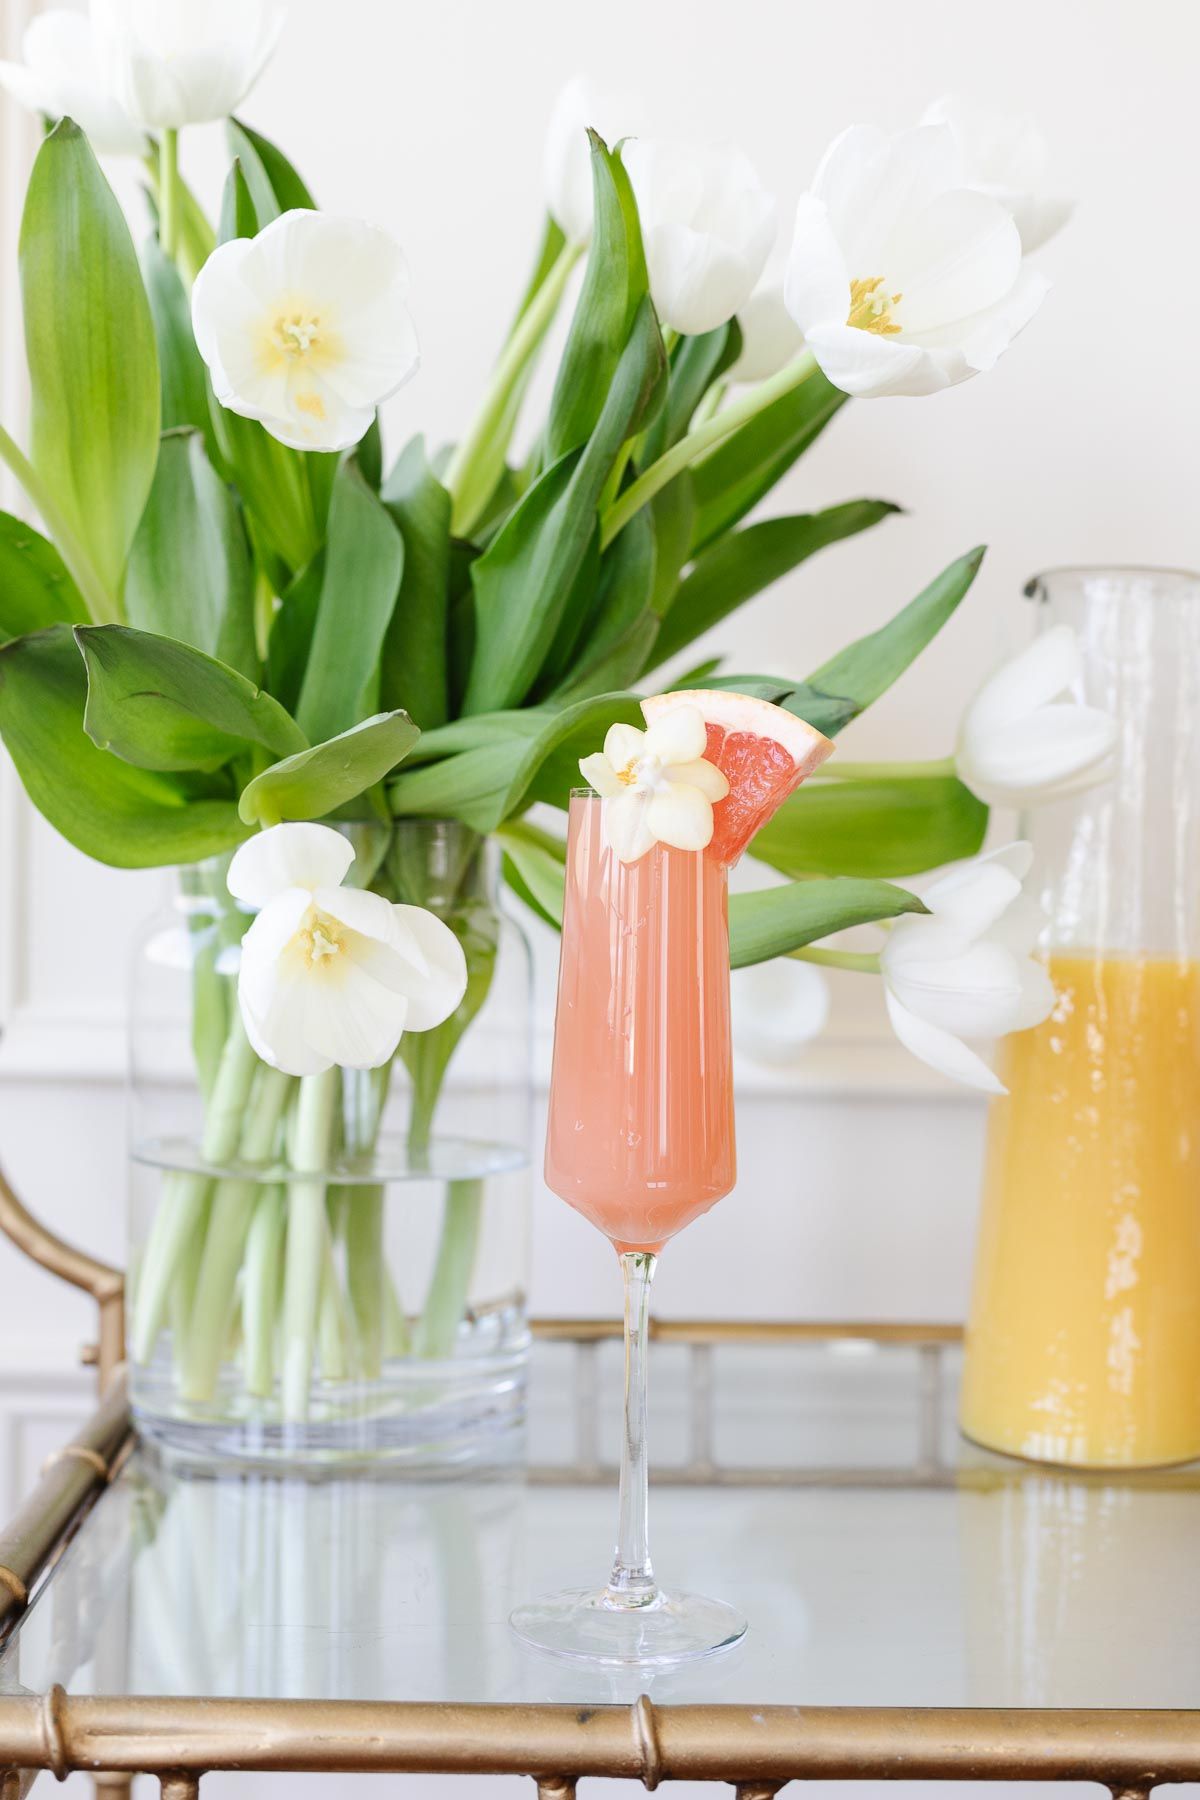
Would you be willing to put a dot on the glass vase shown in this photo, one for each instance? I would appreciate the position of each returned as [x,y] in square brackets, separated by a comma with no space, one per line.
[366,1303]
[1083,1344]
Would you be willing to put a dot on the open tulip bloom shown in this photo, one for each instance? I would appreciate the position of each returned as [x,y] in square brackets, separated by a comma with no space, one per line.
[1026,738]
[248,615]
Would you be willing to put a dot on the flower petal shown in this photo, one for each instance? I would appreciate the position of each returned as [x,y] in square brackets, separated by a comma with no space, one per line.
[770,335]
[623,744]
[816,287]
[940,1050]
[371,916]
[975,993]
[599,773]
[680,816]
[432,997]
[350,1016]
[700,774]
[869,366]
[624,825]
[871,182]
[960,255]
[1044,670]
[293,855]
[1060,751]
[677,736]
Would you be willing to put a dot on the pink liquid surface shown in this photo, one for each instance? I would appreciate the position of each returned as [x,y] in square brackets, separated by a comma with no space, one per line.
[640,1136]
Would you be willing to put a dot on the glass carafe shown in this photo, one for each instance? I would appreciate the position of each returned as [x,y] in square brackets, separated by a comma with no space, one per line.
[1083,1344]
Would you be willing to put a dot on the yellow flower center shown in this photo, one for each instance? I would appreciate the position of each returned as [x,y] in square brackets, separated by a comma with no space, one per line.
[320,939]
[297,335]
[871,310]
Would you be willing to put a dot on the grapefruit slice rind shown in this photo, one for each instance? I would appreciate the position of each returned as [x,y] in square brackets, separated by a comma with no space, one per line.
[763,751]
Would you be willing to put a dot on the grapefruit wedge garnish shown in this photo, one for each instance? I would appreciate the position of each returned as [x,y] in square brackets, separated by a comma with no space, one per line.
[763,752]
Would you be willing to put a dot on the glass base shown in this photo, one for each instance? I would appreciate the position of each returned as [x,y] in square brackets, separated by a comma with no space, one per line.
[589,1627]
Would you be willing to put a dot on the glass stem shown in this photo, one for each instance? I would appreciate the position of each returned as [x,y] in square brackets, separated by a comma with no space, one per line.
[632,1580]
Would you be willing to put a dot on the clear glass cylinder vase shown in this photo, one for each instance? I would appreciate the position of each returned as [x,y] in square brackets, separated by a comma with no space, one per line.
[1083,1344]
[366,1303]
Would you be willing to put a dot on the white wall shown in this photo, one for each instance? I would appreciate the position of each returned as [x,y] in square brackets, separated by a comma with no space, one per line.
[859,1171]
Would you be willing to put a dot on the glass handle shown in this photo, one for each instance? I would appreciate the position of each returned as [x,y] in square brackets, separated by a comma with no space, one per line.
[631,1583]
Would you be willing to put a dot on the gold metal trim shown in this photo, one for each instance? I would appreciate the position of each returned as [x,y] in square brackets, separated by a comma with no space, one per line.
[753,1747]
[105,1284]
[81,1453]
[753,1331]
[69,1480]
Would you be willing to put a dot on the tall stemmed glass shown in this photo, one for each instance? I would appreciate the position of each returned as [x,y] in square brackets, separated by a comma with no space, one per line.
[640,1140]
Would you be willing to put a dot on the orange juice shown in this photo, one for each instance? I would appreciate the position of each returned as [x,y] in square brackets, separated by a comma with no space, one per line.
[640,1133]
[1084,1338]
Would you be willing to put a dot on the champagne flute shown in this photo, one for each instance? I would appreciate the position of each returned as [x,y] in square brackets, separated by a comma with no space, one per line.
[640,1141]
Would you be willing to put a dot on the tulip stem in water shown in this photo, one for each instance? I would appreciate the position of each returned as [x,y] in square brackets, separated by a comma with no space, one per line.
[691,448]
[451,1277]
[261,1281]
[307,1234]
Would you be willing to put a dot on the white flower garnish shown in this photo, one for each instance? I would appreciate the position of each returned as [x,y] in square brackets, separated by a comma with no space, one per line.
[655,784]
[332,975]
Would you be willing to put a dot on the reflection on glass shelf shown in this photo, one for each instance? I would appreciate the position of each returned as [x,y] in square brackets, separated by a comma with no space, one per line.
[879,1560]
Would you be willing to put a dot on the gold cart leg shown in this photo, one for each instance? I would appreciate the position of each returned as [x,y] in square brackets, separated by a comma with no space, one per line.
[180,1787]
[110,1784]
[555,1787]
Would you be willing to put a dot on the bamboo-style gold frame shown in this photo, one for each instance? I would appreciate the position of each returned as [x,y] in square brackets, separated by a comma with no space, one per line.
[756,1749]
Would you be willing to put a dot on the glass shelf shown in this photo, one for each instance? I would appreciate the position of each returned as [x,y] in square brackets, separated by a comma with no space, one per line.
[821,1488]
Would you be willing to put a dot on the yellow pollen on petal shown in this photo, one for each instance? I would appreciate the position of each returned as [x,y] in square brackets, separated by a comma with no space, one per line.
[628,775]
[870,310]
[320,940]
[298,334]
[312,404]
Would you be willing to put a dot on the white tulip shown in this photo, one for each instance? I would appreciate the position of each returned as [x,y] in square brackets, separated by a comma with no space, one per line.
[62,76]
[306,327]
[771,337]
[1005,156]
[183,62]
[655,785]
[964,970]
[333,976]
[567,158]
[708,225]
[1022,742]
[902,279]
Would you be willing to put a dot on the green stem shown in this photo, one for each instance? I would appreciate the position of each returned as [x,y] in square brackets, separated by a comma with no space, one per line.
[710,404]
[185,1191]
[366,1274]
[100,603]
[691,448]
[461,478]
[934,770]
[862,962]
[333,1331]
[225,1242]
[307,1236]
[260,1289]
[397,1338]
[451,1278]
[168,192]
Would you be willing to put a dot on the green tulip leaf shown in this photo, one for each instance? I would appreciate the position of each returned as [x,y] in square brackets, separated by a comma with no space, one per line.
[534,868]
[742,563]
[414,672]
[268,172]
[364,560]
[891,827]
[736,474]
[107,808]
[696,363]
[35,588]
[775,920]
[614,288]
[181,368]
[868,667]
[93,363]
[614,642]
[191,576]
[316,782]
[528,577]
[239,214]
[160,704]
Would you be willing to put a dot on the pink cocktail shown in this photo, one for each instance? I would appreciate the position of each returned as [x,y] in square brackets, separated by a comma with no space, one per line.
[640,1137]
